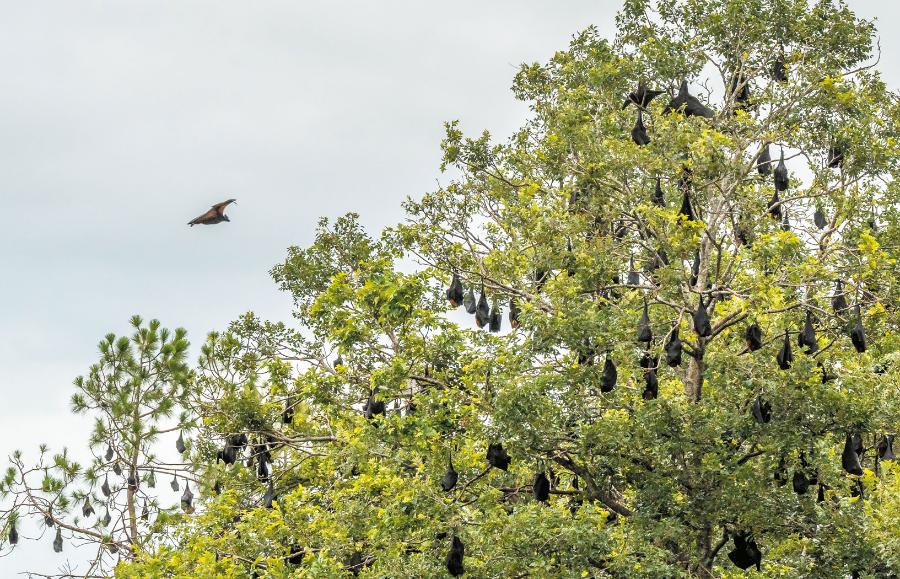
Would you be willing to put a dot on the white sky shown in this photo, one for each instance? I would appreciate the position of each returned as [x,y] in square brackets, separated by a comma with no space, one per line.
[121,121]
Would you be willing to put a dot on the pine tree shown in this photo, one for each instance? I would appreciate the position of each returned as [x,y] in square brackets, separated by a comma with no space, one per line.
[132,393]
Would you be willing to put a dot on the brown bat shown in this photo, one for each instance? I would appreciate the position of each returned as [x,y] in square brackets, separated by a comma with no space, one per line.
[214,215]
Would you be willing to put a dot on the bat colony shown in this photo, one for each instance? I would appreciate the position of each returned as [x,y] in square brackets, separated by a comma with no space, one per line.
[745,553]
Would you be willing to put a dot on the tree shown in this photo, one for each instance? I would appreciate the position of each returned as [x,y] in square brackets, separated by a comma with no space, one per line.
[132,392]
[701,376]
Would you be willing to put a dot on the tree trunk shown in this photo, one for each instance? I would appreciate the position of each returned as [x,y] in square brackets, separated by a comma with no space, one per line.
[132,518]
[693,381]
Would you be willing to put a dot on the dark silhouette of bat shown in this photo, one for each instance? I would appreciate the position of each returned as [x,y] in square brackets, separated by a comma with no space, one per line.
[774,206]
[800,483]
[740,89]
[296,556]
[695,269]
[641,97]
[838,301]
[513,314]
[651,382]
[634,277]
[216,214]
[701,320]
[644,333]
[819,218]
[781,175]
[785,357]
[455,291]
[753,337]
[609,376]
[886,447]
[779,68]
[187,500]
[269,498]
[179,444]
[686,209]
[688,104]
[450,478]
[858,334]
[469,301]
[850,457]
[807,337]
[497,457]
[762,410]
[764,161]
[657,197]
[455,557]
[541,487]
[746,553]
[673,349]
[87,510]
[482,311]
[496,318]
[639,132]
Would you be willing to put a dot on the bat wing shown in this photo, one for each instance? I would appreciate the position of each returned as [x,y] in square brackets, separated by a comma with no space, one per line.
[220,207]
[203,218]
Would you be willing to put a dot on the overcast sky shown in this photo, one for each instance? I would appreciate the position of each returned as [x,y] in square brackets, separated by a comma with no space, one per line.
[121,121]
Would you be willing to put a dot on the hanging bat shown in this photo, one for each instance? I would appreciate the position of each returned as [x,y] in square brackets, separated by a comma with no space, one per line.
[850,458]
[641,97]
[450,478]
[639,132]
[455,556]
[740,88]
[541,487]
[764,161]
[701,321]
[807,337]
[779,68]
[673,349]
[644,333]
[688,104]
[657,197]
[782,179]
[609,376]
[785,357]
[746,553]
[762,410]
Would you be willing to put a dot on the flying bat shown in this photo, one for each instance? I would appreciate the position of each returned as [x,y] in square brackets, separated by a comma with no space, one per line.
[215,215]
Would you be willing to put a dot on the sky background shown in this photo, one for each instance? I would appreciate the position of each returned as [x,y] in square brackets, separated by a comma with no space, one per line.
[121,121]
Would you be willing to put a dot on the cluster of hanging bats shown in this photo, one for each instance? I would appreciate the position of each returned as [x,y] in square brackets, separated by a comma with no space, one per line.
[746,552]
[87,508]
[234,449]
